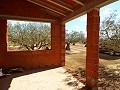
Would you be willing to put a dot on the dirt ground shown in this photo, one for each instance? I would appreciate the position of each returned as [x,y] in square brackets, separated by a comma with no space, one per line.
[109,66]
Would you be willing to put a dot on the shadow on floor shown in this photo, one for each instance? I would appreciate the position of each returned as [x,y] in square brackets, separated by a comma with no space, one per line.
[106,56]
[6,81]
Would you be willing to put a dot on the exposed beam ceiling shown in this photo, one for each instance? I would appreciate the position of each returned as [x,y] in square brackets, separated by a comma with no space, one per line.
[83,10]
[49,10]
[62,4]
[47,6]
[78,2]
[26,18]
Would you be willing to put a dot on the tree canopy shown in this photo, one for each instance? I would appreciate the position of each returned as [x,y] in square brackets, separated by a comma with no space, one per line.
[75,36]
[110,29]
[30,36]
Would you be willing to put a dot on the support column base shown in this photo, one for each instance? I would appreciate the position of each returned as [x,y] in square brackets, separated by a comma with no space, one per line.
[92,83]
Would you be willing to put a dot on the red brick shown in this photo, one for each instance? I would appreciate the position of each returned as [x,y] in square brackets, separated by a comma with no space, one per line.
[92,74]
[93,27]
[92,47]
[29,59]
[94,12]
[92,60]
[93,54]
[92,51]
[93,19]
[91,83]
[63,63]
[92,67]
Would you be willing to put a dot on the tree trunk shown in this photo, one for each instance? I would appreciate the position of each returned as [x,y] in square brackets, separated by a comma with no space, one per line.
[68,46]
[73,43]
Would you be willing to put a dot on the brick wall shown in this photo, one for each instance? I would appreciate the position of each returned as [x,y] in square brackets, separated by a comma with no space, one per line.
[3,43]
[37,58]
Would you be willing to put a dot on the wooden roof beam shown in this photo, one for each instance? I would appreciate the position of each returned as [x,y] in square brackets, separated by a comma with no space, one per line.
[47,6]
[26,18]
[83,10]
[62,4]
[78,2]
[53,13]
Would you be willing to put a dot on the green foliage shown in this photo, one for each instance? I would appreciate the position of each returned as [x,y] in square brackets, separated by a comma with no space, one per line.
[74,37]
[29,35]
[110,29]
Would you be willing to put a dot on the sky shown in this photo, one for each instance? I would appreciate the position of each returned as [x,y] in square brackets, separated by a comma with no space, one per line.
[79,24]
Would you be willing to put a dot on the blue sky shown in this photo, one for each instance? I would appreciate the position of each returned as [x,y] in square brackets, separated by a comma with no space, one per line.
[79,24]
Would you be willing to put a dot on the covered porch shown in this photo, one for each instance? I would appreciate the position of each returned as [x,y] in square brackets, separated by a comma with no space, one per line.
[56,12]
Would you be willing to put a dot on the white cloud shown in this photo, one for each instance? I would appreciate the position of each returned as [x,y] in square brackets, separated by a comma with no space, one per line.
[107,11]
[83,18]
[77,27]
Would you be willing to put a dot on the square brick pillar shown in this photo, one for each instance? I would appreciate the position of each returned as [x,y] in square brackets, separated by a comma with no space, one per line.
[3,40]
[58,41]
[92,51]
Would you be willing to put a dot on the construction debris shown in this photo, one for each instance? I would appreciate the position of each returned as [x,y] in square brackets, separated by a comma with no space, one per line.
[15,70]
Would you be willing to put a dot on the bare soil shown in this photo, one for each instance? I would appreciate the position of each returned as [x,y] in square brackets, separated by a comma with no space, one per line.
[109,67]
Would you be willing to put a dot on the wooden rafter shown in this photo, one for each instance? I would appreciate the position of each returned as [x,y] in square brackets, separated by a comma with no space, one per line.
[78,2]
[47,6]
[62,4]
[53,13]
[83,10]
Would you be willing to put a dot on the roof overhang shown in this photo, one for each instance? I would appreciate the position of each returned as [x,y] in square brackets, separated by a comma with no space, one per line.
[48,10]
[87,7]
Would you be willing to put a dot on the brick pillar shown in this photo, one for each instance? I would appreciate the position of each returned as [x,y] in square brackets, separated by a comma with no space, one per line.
[3,43]
[58,42]
[92,52]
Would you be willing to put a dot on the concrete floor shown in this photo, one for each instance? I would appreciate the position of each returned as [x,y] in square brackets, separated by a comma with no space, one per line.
[52,79]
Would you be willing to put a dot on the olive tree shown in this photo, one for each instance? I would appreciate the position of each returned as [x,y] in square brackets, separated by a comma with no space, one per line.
[74,37]
[30,36]
[110,29]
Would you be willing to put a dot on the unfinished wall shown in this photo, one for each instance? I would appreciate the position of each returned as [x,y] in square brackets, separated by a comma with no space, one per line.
[31,59]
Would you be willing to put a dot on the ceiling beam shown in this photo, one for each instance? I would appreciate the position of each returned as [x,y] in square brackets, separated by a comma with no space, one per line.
[78,2]
[62,4]
[53,13]
[10,17]
[83,10]
[47,6]
[10,9]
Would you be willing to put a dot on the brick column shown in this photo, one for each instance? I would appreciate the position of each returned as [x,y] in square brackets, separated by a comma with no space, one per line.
[58,42]
[92,52]
[3,43]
